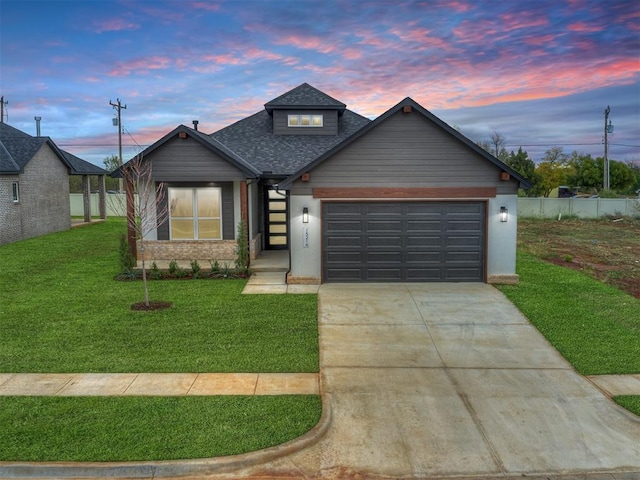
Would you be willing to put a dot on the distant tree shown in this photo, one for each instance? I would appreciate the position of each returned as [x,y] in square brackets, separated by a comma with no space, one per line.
[110,164]
[622,176]
[585,172]
[526,167]
[498,142]
[551,172]
[495,146]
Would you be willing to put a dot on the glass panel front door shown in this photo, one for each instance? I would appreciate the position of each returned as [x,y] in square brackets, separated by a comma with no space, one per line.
[276,219]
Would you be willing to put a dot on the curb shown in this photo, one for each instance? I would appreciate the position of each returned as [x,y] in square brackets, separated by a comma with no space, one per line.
[169,468]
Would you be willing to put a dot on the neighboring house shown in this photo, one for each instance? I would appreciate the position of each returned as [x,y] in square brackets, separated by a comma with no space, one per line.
[34,185]
[404,197]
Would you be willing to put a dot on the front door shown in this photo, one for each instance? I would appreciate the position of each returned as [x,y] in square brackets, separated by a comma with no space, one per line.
[276,219]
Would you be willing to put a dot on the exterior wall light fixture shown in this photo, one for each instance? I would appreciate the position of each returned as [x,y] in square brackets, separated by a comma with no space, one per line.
[305,215]
[504,214]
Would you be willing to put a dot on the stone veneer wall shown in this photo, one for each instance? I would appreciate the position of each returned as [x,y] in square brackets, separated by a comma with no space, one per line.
[189,250]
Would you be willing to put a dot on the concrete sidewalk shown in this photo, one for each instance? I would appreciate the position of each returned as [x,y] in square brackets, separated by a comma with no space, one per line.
[157,384]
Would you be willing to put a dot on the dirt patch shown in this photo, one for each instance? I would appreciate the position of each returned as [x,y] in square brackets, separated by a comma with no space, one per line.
[606,249]
[143,307]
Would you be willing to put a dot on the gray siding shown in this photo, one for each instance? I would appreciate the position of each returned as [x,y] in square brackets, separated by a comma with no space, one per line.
[406,150]
[186,160]
[44,205]
[329,123]
[228,219]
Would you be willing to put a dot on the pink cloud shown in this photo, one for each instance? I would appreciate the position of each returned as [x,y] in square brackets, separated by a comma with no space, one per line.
[512,21]
[207,6]
[140,65]
[584,27]
[539,40]
[114,25]
[458,7]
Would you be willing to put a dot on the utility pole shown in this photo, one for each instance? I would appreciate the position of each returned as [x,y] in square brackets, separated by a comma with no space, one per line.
[2,104]
[608,128]
[118,106]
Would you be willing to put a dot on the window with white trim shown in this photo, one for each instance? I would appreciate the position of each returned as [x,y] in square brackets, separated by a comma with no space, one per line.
[305,120]
[15,189]
[196,214]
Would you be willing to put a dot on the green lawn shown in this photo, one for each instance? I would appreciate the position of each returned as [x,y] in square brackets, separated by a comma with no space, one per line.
[152,428]
[62,311]
[595,326]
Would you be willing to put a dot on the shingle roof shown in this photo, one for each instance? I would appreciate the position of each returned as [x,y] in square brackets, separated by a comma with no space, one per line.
[252,139]
[17,148]
[82,167]
[304,96]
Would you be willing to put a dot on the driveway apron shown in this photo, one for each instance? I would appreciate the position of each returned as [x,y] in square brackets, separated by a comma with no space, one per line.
[433,380]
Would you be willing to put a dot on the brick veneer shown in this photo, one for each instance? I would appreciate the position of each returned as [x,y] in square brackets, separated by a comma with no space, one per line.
[189,250]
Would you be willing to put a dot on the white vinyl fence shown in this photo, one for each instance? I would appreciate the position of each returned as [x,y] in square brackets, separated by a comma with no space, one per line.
[116,204]
[580,207]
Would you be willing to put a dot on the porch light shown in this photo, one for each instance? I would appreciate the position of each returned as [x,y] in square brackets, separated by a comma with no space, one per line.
[504,214]
[305,215]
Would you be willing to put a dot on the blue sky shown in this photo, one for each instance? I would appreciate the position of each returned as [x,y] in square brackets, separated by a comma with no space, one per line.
[539,72]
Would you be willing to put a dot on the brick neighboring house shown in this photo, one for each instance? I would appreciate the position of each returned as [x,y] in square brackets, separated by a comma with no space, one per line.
[34,185]
[404,197]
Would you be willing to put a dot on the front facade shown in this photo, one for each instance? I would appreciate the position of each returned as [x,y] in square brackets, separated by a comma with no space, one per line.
[402,198]
[34,185]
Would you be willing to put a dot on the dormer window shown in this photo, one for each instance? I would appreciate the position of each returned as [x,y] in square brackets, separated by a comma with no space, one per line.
[305,120]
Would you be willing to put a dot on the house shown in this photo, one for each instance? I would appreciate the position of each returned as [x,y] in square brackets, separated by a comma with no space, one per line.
[34,185]
[404,197]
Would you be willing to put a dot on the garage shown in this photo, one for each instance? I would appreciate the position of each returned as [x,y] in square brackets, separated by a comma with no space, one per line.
[403,241]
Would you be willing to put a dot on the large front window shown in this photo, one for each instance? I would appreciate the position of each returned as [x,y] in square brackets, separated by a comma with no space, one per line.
[195,214]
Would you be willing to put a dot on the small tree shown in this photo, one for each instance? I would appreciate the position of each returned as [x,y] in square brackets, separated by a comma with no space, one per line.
[150,211]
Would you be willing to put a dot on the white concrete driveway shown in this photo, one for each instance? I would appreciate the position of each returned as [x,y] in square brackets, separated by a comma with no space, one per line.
[450,379]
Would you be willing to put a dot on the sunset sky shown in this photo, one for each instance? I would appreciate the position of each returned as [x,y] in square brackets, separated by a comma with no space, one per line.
[539,72]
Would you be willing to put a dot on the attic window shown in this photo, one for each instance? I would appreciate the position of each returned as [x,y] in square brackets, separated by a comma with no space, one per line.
[305,120]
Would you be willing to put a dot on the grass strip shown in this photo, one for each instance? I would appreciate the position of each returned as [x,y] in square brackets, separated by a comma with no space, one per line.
[62,311]
[630,402]
[596,327]
[78,429]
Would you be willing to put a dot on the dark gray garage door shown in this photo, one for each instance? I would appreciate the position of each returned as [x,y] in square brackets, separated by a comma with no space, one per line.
[403,241]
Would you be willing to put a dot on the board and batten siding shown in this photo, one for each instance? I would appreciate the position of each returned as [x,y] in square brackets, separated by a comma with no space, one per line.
[406,150]
[187,160]
[329,123]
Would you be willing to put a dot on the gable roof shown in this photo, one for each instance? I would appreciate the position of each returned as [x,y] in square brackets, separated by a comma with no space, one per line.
[304,97]
[253,139]
[524,183]
[17,148]
[210,143]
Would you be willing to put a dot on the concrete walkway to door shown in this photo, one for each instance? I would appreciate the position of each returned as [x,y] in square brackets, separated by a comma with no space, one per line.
[438,380]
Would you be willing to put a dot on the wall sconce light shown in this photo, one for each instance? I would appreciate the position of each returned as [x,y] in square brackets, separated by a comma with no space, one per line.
[504,214]
[305,215]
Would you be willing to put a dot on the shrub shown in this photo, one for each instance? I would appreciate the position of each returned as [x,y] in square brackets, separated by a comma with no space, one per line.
[195,268]
[127,262]
[154,271]
[242,248]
